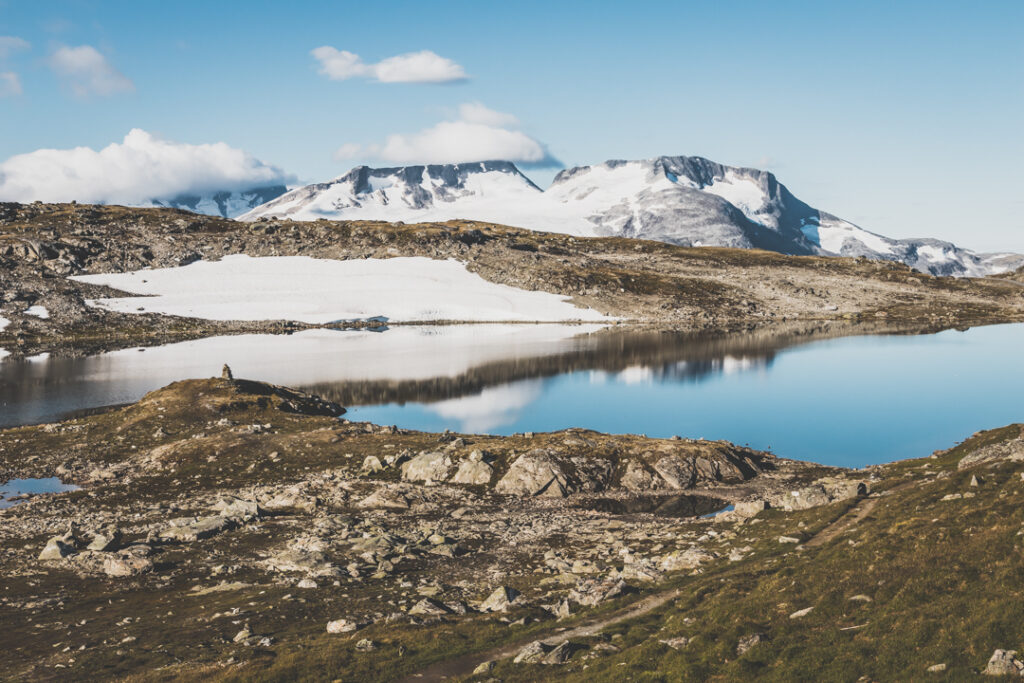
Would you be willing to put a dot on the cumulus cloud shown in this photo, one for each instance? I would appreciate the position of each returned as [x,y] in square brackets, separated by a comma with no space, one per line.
[136,171]
[477,134]
[9,44]
[87,72]
[10,84]
[412,67]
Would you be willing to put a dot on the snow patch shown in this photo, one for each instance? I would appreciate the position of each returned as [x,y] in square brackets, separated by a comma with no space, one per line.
[4,322]
[37,311]
[743,193]
[4,353]
[320,291]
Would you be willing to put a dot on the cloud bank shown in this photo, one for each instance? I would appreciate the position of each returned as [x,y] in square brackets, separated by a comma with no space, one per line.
[412,67]
[87,72]
[477,134]
[133,172]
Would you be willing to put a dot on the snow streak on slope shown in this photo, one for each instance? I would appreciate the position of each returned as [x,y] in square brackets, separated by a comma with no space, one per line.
[689,201]
[322,291]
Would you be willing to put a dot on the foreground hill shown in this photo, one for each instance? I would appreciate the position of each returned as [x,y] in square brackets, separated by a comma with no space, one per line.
[235,530]
[688,201]
[44,246]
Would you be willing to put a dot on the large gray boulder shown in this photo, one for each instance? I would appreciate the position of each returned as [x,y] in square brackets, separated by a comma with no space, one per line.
[536,473]
[427,467]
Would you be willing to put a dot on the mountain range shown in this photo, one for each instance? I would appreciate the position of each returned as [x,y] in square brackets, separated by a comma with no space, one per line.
[225,204]
[689,201]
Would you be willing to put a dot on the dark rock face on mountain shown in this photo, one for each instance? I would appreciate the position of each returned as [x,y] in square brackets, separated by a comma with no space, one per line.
[689,201]
[224,204]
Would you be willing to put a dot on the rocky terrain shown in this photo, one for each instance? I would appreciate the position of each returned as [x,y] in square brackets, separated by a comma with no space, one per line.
[237,530]
[640,282]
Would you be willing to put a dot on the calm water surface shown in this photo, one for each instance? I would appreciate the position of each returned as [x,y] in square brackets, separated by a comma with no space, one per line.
[848,401]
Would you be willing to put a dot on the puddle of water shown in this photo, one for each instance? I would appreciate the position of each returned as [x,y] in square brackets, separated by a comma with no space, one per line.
[18,487]
[663,506]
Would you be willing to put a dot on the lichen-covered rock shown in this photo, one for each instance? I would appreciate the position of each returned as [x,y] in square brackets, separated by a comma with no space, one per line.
[386,499]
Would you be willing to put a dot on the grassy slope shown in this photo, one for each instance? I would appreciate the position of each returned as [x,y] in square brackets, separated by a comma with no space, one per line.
[944,577]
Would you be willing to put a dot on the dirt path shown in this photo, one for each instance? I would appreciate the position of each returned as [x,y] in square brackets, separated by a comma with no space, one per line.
[464,665]
[858,512]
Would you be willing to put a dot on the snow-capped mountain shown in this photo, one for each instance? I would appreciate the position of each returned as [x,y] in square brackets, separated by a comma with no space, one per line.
[226,204]
[688,201]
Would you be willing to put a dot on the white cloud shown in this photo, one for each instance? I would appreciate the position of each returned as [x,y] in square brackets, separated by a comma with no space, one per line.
[9,44]
[136,171]
[478,134]
[475,112]
[10,84]
[412,67]
[87,72]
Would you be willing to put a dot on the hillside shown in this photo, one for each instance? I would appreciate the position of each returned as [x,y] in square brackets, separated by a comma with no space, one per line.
[237,531]
[639,282]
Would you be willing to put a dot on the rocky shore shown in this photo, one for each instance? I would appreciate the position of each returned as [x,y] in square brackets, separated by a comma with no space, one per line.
[244,531]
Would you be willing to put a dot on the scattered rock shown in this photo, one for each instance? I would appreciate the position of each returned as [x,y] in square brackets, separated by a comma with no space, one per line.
[500,600]
[676,643]
[126,566]
[750,508]
[532,653]
[936,668]
[749,641]
[1004,663]
[483,668]
[58,547]
[801,613]
[341,626]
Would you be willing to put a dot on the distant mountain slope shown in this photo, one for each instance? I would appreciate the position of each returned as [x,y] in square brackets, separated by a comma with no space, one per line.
[224,204]
[688,201]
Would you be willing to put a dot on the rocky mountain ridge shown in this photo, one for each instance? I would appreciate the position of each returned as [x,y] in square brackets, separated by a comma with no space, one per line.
[688,201]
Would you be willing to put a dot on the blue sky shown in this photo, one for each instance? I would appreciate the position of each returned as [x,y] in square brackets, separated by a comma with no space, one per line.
[903,117]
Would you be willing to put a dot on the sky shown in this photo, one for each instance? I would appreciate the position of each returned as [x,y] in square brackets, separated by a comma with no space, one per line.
[903,117]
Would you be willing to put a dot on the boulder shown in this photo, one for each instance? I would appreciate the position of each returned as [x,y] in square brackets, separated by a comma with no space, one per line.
[429,607]
[473,472]
[676,471]
[342,626]
[125,566]
[750,508]
[1004,663]
[536,473]
[372,463]
[638,478]
[500,600]
[58,547]
[532,653]
[676,643]
[427,467]
[105,540]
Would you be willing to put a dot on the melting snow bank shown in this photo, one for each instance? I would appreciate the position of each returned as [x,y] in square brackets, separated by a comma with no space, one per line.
[4,322]
[320,291]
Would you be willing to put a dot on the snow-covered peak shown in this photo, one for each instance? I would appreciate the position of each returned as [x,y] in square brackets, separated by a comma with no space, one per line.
[402,193]
[689,201]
